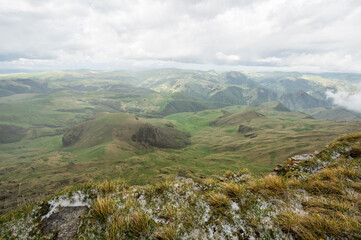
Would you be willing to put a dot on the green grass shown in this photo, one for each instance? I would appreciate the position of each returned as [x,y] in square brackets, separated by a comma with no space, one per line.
[41,164]
[194,122]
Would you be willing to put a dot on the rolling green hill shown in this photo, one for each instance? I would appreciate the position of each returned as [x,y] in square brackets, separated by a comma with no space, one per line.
[63,128]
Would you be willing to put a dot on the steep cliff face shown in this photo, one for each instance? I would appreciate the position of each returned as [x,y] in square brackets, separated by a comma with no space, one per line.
[311,196]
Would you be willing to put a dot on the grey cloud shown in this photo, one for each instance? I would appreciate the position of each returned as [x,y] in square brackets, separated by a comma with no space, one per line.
[321,35]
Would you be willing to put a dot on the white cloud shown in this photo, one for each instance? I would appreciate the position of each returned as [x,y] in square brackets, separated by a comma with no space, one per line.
[346,100]
[222,56]
[321,35]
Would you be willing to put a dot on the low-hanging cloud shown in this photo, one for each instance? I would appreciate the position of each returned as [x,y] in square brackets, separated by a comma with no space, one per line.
[344,99]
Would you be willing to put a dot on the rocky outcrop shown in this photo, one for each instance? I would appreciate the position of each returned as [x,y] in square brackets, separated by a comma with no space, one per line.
[11,133]
[72,135]
[161,137]
[64,223]
[244,129]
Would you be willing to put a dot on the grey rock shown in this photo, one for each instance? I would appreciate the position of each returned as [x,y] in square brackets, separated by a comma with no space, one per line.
[64,223]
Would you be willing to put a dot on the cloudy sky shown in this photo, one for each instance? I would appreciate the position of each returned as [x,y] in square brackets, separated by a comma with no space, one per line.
[302,35]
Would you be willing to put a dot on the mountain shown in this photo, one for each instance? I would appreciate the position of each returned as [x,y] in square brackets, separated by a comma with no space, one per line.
[311,196]
[336,114]
[301,100]
[238,78]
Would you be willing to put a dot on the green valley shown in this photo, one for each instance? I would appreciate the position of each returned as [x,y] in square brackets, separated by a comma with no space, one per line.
[66,128]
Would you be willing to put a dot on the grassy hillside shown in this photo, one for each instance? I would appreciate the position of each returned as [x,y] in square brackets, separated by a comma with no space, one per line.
[42,108]
[105,150]
[313,196]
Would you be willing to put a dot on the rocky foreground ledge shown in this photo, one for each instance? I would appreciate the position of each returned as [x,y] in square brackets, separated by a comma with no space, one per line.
[314,196]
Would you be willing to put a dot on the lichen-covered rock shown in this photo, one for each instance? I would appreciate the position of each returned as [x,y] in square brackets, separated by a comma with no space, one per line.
[64,223]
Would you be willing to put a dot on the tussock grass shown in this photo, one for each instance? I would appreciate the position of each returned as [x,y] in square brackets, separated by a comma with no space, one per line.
[159,188]
[322,204]
[328,181]
[103,207]
[169,213]
[115,228]
[350,137]
[133,225]
[166,233]
[137,223]
[356,186]
[233,190]
[218,202]
[317,186]
[107,187]
[316,226]
[269,186]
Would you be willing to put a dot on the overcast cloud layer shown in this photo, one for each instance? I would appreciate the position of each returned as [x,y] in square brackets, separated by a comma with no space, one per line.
[303,35]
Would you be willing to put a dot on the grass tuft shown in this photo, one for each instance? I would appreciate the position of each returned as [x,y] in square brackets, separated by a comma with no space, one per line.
[107,187]
[103,207]
[317,226]
[233,190]
[166,233]
[218,201]
[270,186]
[137,223]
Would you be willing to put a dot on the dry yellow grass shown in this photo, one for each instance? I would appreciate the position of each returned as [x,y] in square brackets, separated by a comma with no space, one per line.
[107,187]
[103,207]
[270,186]
[137,223]
[115,227]
[233,190]
[322,204]
[166,233]
[218,201]
[317,226]
[169,213]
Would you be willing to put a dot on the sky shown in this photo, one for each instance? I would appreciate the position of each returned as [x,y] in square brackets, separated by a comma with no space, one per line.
[286,35]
